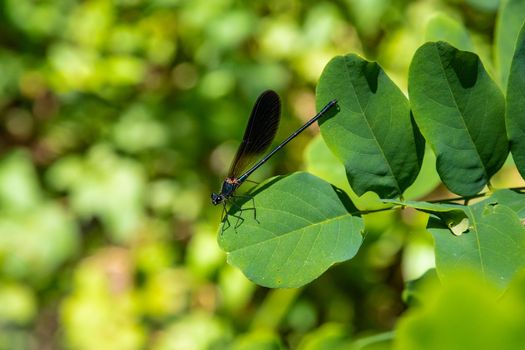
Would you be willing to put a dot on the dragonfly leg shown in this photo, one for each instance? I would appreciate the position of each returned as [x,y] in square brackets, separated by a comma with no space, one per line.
[224,216]
[252,208]
[238,216]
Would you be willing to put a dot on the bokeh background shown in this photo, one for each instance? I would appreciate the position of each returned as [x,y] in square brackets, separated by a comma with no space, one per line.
[117,120]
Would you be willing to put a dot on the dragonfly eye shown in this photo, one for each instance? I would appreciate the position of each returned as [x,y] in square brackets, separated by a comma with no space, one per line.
[216,198]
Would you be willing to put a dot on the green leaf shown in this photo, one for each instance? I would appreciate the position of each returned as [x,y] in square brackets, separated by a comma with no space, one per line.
[373,134]
[303,226]
[513,200]
[511,17]
[460,112]
[445,28]
[464,313]
[515,113]
[494,244]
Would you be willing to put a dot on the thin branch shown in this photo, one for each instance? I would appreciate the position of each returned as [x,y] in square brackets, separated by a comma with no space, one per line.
[371,211]
[468,198]
[465,199]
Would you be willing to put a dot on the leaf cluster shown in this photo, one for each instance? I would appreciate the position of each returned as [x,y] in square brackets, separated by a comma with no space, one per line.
[303,225]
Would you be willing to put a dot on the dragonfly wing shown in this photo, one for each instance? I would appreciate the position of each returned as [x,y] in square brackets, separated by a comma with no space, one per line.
[260,132]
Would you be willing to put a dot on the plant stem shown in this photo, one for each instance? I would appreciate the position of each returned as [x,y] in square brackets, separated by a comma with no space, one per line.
[465,199]
[371,211]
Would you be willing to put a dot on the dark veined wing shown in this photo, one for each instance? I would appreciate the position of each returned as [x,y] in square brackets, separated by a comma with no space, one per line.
[260,131]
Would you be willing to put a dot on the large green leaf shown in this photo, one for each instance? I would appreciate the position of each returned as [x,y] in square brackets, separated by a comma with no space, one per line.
[373,134]
[460,112]
[515,114]
[511,17]
[303,225]
[494,243]
[464,313]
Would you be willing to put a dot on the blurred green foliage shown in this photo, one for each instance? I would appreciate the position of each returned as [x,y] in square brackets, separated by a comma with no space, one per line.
[117,120]
[450,317]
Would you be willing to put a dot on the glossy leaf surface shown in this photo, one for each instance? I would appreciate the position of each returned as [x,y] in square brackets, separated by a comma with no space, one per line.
[303,225]
[460,112]
[494,243]
[373,134]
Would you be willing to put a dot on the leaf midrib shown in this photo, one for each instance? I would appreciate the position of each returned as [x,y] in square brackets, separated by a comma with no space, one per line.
[461,118]
[398,188]
[295,231]
[472,217]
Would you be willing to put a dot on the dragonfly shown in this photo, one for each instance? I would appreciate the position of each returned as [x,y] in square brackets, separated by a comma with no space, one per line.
[258,136]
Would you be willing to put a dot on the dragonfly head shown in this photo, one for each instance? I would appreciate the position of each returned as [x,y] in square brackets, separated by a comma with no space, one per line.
[217,198]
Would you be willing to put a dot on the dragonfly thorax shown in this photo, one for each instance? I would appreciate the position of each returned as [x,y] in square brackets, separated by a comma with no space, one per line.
[228,187]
